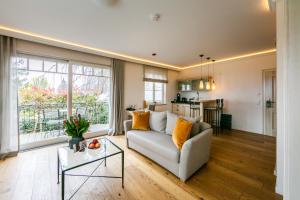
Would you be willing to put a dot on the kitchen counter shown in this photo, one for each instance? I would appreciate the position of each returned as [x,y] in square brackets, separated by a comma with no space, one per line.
[192,108]
[194,101]
[181,102]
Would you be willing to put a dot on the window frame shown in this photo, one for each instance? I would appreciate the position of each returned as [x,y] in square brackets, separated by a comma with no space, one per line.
[154,90]
[69,73]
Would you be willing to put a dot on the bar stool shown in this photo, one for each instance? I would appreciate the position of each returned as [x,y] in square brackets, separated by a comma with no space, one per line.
[194,108]
[212,115]
[151,107]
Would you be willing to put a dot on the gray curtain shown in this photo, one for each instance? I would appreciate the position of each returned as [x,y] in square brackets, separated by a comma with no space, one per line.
[117,98]
[8,98]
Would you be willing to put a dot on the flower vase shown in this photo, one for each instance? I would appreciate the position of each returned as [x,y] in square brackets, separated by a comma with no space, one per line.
[75,140]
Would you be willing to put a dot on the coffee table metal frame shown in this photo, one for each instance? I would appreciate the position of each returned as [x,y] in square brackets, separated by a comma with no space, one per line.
[102,159]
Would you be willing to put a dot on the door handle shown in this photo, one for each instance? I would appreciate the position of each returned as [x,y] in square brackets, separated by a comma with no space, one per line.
[269,103]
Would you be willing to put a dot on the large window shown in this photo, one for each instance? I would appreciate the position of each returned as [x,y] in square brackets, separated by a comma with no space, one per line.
[155,92]
[155,81]
[49,90]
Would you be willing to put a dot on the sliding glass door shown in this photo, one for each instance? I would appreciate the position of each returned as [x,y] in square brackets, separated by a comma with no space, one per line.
[91,94]
[50,90]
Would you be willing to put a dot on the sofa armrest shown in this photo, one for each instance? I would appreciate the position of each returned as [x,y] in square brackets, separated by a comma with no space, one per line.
[194,153]
[127,125]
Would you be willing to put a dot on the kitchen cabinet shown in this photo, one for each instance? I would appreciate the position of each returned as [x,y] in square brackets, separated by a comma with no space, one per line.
[192,85]
[181,109]
[185,86]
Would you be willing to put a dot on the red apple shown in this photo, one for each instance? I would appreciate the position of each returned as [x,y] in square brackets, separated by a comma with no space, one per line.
[91,145]
[95,141]
[97,145]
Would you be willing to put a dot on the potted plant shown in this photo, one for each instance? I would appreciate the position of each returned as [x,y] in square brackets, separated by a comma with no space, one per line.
[75,127]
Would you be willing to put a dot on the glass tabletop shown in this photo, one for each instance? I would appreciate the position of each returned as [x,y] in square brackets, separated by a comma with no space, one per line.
[70,160]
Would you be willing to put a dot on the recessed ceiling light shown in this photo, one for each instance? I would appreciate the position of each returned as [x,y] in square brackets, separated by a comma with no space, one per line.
[155,17]
[154,54]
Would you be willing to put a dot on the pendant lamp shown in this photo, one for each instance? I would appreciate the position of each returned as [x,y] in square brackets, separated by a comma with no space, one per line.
[207,84]
[213,85]
[201,83]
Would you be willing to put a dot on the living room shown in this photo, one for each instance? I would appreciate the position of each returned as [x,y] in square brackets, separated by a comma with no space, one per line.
[114,99]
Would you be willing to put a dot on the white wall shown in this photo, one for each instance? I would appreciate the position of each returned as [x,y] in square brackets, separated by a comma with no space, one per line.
[134,86]
[171,88]
[288,141]
[281,79]
[239,83]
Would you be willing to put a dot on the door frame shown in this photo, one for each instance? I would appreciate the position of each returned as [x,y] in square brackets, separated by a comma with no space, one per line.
[263,95]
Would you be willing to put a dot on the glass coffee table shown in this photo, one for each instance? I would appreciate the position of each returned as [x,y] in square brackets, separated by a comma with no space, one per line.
[67,160]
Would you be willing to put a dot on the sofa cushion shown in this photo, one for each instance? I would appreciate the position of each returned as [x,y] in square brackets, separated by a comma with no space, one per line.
[140,120]
[160,143]
[181,132]
[158,121]
[171,122]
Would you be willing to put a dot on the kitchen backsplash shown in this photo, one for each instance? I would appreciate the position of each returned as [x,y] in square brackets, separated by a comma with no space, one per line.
[202,95]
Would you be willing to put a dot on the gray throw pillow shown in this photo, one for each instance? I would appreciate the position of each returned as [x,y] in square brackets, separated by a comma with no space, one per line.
[171,123]
[195,129]
[196,125]
[203,126]
[157,121]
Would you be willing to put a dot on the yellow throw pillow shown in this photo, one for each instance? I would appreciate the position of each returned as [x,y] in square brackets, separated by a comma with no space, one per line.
[140,121]
[181,132]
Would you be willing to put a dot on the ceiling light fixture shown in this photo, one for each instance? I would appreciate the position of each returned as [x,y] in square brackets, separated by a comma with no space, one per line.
[213,85]
[101,51]
[207,84]
[155,17]
[201,83]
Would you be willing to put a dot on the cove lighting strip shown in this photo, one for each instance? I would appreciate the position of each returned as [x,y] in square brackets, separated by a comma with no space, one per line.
[34,35]
[87,47]
[233,58]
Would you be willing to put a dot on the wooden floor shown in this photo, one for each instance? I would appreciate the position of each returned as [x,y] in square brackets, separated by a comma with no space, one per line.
[241,167]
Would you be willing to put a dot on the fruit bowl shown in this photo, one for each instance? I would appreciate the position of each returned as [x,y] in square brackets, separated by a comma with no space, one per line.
[95,144]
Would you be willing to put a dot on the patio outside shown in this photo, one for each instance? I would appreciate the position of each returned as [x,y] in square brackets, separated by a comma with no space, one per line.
[43,98]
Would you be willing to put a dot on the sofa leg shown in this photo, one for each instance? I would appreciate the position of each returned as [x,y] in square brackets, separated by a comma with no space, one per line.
[184,181]
[127,143]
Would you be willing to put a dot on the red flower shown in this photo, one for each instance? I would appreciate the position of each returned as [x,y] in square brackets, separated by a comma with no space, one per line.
[34,88]
[76,121]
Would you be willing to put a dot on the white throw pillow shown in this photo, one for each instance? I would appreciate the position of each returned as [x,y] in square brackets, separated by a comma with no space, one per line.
[157,121]
[171,122]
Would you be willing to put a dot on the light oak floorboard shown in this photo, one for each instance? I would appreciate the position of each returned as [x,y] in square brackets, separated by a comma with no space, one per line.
[241,167]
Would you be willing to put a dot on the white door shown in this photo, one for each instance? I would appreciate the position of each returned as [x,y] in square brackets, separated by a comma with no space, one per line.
[269,106]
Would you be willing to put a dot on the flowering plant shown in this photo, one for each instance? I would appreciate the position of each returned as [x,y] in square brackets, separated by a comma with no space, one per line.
[76,126]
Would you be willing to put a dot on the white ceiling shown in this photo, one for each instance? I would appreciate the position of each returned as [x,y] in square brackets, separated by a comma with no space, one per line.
[217,28]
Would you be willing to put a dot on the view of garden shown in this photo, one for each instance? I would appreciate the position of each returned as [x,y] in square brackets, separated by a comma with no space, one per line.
[43,96]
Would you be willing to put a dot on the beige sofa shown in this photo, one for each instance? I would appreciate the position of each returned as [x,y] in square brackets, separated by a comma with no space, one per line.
[157,144]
